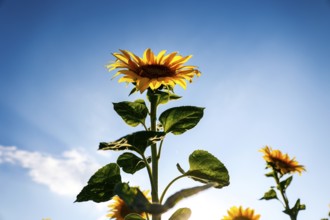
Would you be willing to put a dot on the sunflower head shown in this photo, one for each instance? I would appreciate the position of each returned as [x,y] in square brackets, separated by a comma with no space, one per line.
[119,209]
[281,162]
[238,213]
[153,71]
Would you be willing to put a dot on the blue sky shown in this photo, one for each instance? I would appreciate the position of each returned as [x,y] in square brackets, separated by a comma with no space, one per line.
[265,81]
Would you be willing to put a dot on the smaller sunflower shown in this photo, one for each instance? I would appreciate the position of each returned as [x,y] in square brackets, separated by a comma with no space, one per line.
[281,162]
[153,71]
[238,213]
[119,209]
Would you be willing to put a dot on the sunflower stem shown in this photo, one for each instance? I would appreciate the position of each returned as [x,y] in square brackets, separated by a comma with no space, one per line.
[149,171]
[154,156]
[145,127]
[283,194]
[168,186]
[160,149]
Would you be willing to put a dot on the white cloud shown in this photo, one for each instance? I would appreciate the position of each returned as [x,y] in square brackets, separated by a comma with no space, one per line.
[64,175]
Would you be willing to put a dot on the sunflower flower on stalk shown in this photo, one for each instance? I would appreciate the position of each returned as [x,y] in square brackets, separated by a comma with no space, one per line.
[238,213]
[153,71]
[119,210]
[281,162]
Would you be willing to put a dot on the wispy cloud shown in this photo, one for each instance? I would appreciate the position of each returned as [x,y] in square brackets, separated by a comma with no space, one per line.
[64,175]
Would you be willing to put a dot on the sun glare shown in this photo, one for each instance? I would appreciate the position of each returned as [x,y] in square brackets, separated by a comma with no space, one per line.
[202,207]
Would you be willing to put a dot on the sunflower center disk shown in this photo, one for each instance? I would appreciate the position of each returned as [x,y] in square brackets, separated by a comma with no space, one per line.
[155,71]
[242,218]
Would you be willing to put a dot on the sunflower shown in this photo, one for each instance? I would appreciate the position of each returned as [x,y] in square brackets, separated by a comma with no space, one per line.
[153,71]
[281,162]
[119,209]
[238,213]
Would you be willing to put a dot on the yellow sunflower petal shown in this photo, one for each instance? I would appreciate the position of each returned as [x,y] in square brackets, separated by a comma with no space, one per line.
[120,57]
[168,58]
[182,60]
[148,56]
[125,53]
[125,79]
[119,210]
[235,213]
[181,82]
[150,71]
[155,84]
[175,59]
[281,162]
[143,84]
[136,59]
[160,57]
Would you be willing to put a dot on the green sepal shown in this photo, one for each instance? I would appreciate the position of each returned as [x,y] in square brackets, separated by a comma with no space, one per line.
[162,97]
[130,163]
[206,168]
[133,113]
[134,216]
[137,141]
[270,174]
[295,209]
[133,91]
[101,184]
[270,194]
[178,120]
[181,214]
[285,183]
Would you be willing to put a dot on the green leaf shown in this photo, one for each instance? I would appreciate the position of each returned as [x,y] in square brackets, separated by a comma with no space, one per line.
[162,97]
[180,119]
[285,183]
[271,194]
[185,193]
[130,163]
[295,209]
[206,168]
[167,96]
[137,141]
[101,185]
[137,202]
[181,214]
[270,174]
[134,216]
[133,197]
[133,113]
[299,206]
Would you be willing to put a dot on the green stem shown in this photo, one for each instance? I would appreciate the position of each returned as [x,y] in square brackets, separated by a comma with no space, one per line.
[145,127]
[154,158]
[283,193]
[160,149]
[149,171]
[168,186]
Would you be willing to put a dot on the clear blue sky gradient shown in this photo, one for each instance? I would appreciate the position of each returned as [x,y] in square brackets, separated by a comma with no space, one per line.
[265,81]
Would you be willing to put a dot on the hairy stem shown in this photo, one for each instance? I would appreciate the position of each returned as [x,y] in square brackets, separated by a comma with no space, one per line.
[284,196]
[154,156]
[149,171]
[168,186]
